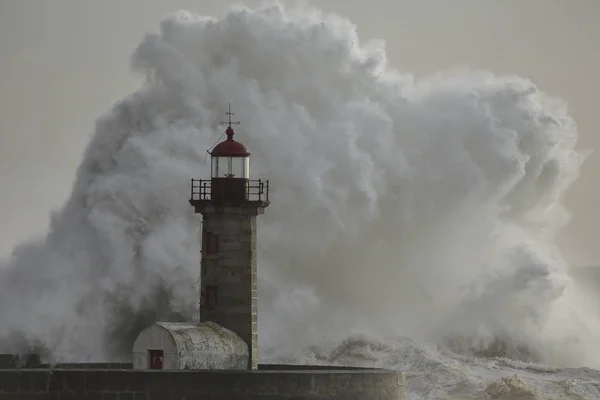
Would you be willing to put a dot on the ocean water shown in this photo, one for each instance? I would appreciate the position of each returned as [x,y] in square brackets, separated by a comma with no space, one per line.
[412,223]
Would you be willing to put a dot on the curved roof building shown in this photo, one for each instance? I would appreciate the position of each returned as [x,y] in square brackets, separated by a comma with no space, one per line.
[176,345]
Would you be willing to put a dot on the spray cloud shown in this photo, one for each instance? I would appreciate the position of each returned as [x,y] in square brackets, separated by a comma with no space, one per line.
[400,206]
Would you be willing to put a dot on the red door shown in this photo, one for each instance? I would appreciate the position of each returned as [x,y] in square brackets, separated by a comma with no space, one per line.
[155,359]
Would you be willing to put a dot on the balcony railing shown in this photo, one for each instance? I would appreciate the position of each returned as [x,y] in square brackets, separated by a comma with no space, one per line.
[253,190]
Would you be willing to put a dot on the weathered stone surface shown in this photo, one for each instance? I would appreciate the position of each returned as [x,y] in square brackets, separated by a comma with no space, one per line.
[232,272]
[191,346]
[270,383]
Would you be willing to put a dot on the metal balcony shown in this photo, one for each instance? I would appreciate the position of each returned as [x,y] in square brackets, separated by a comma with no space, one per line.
[229,192]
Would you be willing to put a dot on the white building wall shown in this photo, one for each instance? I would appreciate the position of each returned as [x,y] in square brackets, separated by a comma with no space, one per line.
[191,346]
[155,337]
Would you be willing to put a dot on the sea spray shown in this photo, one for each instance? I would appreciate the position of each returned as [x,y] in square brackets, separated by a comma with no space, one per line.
[424,208]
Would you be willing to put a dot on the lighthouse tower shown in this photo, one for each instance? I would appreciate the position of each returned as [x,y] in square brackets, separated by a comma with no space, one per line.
[229,203]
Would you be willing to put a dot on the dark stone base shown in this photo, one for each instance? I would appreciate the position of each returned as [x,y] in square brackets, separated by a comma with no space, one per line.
[270,382]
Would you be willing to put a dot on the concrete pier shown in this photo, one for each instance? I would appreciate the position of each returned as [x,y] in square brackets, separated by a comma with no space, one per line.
[266,383]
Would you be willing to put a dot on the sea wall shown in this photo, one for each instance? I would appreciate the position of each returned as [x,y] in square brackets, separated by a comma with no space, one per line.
[266,384]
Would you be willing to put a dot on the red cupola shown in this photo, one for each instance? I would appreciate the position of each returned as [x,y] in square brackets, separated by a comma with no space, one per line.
[229,147]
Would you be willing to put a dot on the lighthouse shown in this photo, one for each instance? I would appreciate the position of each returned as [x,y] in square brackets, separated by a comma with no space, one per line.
[226,337]
[229,203]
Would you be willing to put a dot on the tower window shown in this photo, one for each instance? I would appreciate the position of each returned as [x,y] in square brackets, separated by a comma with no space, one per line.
[210,297]
[211,243]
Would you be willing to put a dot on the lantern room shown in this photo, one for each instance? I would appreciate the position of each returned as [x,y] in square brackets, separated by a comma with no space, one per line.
[230,159]
[230,171]
[229,183]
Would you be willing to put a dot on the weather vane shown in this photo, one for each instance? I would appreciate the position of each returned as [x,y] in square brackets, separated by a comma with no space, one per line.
[229,114]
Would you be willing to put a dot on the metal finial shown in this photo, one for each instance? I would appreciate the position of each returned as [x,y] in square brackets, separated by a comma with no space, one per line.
[229,114]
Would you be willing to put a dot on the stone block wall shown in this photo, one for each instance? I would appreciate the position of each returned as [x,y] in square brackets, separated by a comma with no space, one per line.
[228,275]
[69,384]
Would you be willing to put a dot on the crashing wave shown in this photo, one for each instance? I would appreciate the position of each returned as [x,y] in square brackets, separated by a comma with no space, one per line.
[402,207]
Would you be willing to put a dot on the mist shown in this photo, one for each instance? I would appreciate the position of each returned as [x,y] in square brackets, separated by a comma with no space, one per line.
[419,207]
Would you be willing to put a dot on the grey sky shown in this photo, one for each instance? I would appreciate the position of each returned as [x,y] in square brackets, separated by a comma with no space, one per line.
[64,62]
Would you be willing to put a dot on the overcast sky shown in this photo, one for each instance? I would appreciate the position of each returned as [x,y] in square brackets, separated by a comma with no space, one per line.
[64,62]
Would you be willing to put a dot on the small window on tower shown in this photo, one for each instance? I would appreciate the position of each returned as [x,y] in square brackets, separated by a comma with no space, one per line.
[211,243]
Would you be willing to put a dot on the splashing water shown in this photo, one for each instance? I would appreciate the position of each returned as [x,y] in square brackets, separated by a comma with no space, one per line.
[401,207]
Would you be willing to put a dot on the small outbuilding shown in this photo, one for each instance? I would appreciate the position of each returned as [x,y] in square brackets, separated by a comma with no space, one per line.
[184,345]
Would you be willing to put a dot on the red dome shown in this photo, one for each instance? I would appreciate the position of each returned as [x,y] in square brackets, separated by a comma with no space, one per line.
[230,147]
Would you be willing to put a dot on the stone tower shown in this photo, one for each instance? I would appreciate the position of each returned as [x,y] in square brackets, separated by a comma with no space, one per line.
[229,203]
